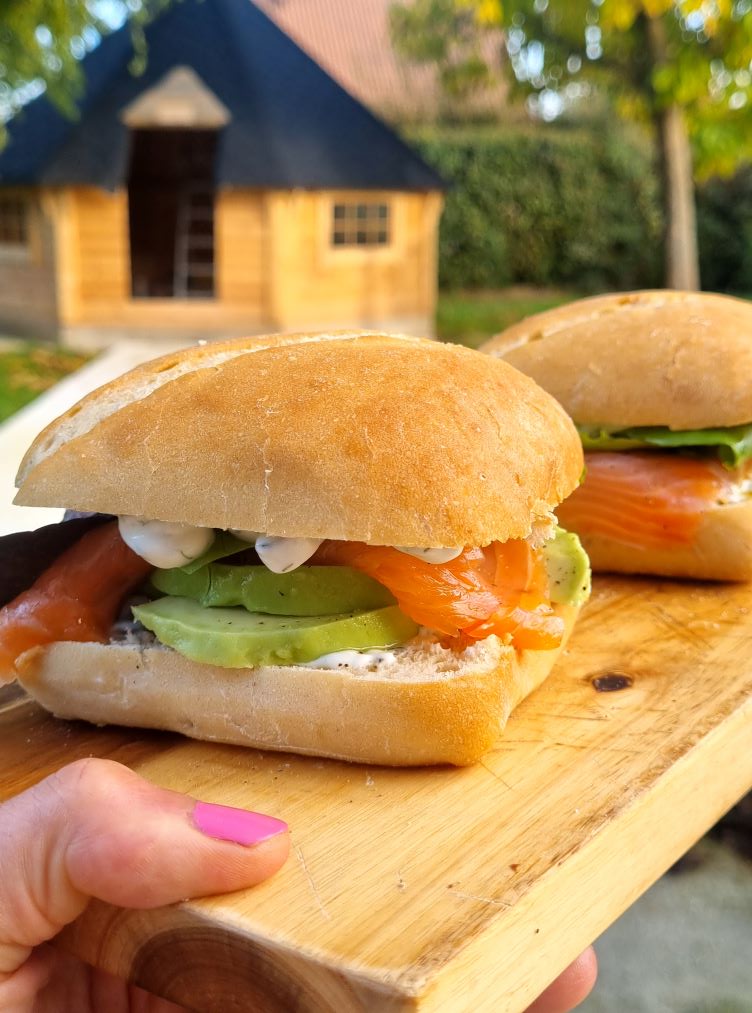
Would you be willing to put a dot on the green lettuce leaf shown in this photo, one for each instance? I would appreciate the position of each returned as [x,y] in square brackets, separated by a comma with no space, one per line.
[224,544]
[732,445]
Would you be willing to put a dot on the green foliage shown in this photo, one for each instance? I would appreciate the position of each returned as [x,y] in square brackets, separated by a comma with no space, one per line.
[724,225]
[552,208]
[449,36]
[575,49]
[701,63]
[42,43]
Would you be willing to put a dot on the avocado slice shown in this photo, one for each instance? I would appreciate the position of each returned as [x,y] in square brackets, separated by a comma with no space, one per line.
[568,569]
[307,591]
[236,638]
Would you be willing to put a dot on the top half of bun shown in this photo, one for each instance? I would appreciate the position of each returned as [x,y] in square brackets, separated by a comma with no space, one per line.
[653,358]
[355,435]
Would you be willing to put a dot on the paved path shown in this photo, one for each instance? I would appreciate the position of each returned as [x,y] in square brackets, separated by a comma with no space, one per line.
[683,947]
[17,433]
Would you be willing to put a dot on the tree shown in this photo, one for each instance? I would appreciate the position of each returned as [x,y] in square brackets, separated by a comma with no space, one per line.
[43,41]
[451,38]
[681,65]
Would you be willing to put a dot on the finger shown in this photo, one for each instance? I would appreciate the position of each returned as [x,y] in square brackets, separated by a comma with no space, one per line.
[570,988]
[19,991]
[74,986]
[96,829]
[52,980]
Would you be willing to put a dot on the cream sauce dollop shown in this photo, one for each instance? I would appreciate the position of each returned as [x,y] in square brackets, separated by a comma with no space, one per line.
[163,543]
[166,544]
[281,555]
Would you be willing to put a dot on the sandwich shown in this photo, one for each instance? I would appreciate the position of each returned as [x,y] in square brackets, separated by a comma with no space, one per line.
[334,544]
[658,384]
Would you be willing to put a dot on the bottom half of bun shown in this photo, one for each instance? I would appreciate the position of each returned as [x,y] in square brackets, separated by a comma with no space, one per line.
[720,549]
[432,705]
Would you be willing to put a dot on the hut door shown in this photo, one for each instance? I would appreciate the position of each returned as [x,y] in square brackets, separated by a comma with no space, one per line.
[171,213]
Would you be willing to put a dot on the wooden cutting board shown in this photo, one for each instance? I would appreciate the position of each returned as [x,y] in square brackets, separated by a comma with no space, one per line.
[441,889]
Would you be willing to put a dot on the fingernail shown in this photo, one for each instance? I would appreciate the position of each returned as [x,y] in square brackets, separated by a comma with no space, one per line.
[240,826]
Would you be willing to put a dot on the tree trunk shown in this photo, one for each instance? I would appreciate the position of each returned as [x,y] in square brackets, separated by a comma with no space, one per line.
[681,262]
[682,268]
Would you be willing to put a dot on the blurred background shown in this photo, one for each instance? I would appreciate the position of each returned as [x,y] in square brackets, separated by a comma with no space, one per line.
[524,153]
[196,168]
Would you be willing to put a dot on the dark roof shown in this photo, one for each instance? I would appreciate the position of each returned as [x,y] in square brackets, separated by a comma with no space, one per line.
[291,125]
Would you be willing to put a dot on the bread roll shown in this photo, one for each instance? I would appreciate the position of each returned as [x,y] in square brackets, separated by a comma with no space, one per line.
[419,443]
[354,436]
[432,706]
[663,358]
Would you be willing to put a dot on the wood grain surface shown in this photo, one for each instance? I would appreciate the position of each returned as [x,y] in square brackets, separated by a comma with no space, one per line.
[441,889]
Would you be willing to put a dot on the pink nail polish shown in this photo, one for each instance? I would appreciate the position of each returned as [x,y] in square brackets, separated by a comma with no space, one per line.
[237,825]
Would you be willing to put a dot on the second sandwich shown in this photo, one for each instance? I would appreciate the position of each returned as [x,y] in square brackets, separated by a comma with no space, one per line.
[658,383]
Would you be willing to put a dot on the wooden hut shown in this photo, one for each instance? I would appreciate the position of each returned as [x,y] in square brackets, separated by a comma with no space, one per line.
[233,187]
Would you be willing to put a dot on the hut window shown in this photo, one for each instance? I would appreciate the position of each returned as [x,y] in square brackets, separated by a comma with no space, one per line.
[14,229]
[357,224]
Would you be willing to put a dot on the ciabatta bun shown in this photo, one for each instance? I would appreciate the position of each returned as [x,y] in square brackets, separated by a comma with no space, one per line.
[432,706]
[357,436]
[352,436]
[652,358]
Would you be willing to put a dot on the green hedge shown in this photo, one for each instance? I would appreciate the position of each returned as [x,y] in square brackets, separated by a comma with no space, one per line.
[579,209]
[724,228]
[551,208]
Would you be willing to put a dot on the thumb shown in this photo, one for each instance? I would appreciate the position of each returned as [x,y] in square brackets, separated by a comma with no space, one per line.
[96,829]
[571,988]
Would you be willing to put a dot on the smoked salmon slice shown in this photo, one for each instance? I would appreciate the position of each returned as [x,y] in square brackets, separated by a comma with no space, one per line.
[76,598]
[501,589]
[647,500]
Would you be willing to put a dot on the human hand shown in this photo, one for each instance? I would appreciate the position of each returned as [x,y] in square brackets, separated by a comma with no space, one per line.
[570,988]
[96,829]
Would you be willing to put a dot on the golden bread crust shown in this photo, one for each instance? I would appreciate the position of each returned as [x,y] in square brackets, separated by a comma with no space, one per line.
[431,707]
[354,436]
[650,358]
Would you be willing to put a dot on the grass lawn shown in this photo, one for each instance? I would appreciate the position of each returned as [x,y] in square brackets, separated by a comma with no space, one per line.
[470,318]
[27,368]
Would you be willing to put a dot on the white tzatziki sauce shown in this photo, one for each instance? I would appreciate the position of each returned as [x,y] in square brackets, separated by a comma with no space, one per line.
[164,544]
[280,555]
[432,555]
[359,660]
